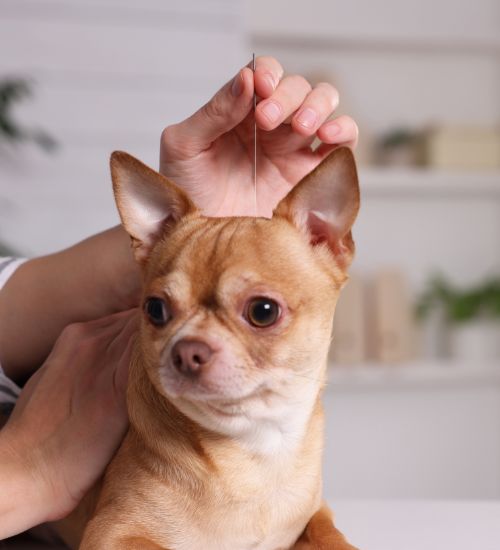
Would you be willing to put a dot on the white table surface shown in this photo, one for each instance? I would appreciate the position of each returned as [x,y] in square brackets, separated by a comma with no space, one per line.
[419,524]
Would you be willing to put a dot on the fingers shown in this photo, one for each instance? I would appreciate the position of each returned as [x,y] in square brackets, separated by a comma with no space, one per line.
[104,326]
[308,110]
[288,97]
[93,346]
[111,367]
[120,374]
[340,131]
[316,108]
[268,74]
[227,108]
[123,332]
[283,99]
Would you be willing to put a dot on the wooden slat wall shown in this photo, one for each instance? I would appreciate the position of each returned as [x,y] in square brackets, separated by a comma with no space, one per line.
[107,75]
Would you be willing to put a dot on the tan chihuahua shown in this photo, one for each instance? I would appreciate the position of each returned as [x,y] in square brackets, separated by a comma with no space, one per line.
[226,426]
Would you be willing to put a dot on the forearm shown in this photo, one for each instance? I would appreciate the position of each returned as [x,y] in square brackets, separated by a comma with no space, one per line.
[89,280]
[21,499]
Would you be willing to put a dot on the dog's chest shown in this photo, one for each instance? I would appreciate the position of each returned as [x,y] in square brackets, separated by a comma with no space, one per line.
[270,520]
[244,510]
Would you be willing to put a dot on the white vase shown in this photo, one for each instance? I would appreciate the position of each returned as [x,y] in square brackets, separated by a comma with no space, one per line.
[476,342]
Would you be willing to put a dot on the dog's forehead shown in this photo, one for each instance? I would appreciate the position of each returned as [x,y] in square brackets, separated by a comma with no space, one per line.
[204,254]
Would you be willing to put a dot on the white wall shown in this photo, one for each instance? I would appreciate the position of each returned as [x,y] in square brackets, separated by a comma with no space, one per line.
[108,75]
[432,440]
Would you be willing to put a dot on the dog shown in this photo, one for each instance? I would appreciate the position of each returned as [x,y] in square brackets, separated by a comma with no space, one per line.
[225,441]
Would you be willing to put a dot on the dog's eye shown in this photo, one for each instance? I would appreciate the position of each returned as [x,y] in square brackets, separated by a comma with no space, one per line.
[262,312]
[156,310]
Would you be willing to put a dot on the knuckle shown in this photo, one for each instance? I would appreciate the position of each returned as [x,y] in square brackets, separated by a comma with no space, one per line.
[172,146]
[270,63]
[82,336]
[327,86]
[356,131]
[350,130]
[74,337]
[351,126]
[299,81]
[215,108]
[90,345]
[329,92]
[74,331]
[168,137]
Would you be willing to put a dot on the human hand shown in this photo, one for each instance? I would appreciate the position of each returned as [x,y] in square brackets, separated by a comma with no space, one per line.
[210,154]
[69,420]
[92,279]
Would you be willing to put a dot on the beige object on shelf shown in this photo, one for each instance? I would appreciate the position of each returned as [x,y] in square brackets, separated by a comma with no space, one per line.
[463,147]
[393,333]
[348,345]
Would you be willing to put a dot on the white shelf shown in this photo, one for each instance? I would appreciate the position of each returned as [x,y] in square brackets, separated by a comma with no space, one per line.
[388,44]
[417,374]
[426,181]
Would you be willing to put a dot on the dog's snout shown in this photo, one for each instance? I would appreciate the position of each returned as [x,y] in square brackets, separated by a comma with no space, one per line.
[189,356]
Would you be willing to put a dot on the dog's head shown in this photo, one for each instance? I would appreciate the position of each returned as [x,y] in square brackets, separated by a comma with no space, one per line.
[237,312]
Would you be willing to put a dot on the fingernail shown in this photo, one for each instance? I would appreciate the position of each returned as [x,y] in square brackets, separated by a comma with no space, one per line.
[237,85]
[307,118]
[332,130]
[269,78]
[272,111]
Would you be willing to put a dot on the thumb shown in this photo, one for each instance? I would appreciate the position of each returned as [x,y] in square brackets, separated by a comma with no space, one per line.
[227,108]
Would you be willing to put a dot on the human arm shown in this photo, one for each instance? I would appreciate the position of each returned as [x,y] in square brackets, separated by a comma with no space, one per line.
[67,424]
[93,278]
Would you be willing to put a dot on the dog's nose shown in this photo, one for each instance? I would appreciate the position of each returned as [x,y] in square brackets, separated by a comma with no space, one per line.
[189,356]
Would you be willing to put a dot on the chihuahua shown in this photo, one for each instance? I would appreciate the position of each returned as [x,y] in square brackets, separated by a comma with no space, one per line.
[225,441]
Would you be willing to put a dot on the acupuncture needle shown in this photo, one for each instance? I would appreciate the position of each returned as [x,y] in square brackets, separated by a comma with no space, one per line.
[254,141]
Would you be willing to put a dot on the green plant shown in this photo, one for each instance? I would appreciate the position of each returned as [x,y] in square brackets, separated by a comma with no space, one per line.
[398,137]
[13,90]
[481,301]
[6,250]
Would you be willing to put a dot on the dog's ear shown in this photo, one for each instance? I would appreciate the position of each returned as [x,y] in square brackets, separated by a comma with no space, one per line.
[324,204]
[148,202]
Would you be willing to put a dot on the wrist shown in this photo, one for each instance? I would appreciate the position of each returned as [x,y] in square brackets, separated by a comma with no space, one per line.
[24,500]
[121,274]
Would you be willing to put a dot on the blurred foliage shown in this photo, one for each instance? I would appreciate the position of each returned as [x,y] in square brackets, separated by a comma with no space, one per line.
[12,91]
[7,251]
[398,137]
[481,301]
[400,147]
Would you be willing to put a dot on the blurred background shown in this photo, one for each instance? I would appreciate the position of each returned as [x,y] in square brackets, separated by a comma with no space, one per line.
[413,399]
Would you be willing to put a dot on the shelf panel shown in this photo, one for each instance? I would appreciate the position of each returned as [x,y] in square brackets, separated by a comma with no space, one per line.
[393,45]
[425,181]
[418,374]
